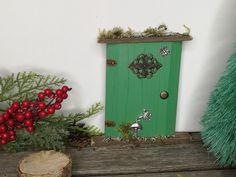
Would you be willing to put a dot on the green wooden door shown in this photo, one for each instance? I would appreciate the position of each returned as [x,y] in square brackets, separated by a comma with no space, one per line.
[127,95]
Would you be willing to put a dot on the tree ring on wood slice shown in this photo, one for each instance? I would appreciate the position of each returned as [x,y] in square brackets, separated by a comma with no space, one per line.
[45,164]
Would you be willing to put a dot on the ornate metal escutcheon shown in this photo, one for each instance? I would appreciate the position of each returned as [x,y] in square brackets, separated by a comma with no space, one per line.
[164,51]
[145,65]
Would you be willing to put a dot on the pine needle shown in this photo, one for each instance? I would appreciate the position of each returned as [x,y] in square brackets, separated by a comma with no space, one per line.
[219,121]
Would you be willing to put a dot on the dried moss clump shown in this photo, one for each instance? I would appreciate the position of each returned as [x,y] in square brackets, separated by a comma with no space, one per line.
[125,131]
[155,32]
[110,123]
[118,33]
[114,33]
[129,33]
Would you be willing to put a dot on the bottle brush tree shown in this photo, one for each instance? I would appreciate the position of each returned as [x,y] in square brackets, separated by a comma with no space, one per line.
[219,121]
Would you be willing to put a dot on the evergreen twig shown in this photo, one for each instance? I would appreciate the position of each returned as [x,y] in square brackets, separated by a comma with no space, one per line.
[51,131]
[25,85]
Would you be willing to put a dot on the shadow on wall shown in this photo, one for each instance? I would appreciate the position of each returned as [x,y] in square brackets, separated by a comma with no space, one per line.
[222,40]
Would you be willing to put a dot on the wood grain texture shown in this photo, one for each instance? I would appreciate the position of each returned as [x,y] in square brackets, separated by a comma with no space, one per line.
[45,164]
[117,160]
[126,160]
[148,39]
[210,173]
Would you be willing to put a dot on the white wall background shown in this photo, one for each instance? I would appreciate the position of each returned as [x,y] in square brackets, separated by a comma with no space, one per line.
[59,37]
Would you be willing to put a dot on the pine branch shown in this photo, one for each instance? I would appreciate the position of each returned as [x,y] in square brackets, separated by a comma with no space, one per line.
[90,130]
[2,110]
[94,109]
[49,132]
[26,85]
[70,122]
[45,137]
[93,131]
[76,117]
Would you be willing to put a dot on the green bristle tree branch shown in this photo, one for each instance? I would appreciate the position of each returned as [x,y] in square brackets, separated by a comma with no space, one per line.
[219,121]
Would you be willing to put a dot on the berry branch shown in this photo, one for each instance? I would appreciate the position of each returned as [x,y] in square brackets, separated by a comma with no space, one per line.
[25,85]
[28,117]
[28,113]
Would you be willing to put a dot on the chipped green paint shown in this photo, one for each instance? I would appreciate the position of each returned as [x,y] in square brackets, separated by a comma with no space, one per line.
[127,95]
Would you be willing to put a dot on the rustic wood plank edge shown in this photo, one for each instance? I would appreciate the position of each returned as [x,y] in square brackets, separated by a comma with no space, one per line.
[75,174]
[172,38]
[202,173]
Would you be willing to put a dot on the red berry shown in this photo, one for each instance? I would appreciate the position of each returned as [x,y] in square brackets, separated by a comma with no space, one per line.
[28,115]
[59,92]
[15,105]
[4,136]
[1,118]
[32,104]
[3,128]
[28,122]
[20,117]
[64,95]
[48,92]
[30,129]
[42,114]
[50,110]
[57,106]
[41,95]
[10,122]
[41,105]
[59,99]
[10,110]
[11,132]
[20,111]
[65,88]
[2,142]
[25,104]
[6,116]
[12,138]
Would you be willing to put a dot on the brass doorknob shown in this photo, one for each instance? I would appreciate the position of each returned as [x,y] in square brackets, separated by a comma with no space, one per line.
[164,95]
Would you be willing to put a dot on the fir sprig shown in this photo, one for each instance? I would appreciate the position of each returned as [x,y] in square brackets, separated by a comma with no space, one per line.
[25,85]
[74,118]
[51,131]
[46,137]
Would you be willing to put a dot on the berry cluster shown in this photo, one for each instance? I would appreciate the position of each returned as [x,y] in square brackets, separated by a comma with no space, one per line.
[25,114]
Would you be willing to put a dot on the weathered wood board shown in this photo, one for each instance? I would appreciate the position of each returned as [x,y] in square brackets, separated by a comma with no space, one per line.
[164,161]
[210,173]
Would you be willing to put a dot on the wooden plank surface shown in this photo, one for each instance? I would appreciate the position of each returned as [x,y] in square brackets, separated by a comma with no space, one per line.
[210,173]
[168,158]
[128,160]
[148,39]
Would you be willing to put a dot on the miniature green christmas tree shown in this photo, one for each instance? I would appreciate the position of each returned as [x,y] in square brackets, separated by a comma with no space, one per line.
[219,121]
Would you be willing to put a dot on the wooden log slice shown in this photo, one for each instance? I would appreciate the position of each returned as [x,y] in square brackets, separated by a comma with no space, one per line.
[45,164]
